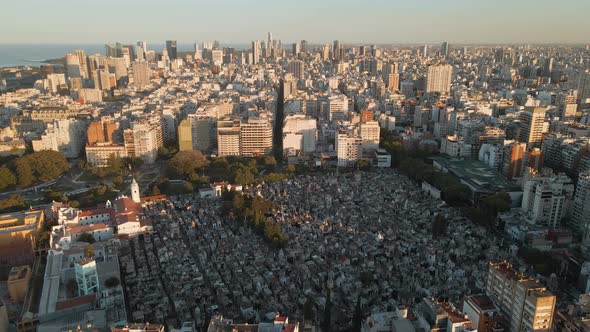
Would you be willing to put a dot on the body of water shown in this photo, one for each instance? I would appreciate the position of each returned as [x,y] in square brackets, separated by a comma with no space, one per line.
[33,55]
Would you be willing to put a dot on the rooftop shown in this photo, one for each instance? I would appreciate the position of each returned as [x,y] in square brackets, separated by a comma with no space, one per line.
[476,174]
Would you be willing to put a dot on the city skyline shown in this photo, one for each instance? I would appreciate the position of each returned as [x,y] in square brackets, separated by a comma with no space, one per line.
[379,22]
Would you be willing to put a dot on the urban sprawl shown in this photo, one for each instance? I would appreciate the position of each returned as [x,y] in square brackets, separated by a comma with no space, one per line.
[312,187]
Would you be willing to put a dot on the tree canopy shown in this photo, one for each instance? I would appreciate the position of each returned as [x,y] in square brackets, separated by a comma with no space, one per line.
[31,168]
[186,163]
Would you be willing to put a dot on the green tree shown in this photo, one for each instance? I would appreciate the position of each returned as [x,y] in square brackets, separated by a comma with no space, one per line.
[24,173]
[86,237]
[364,165]
[269,162]
[75,204]
[89,251]
[290,169]
[155,191]
[185,163]
[115,164]
[47,165]
[219,170]
[118,181]
[7,178]
[244,176]
[12,203]
[112,282]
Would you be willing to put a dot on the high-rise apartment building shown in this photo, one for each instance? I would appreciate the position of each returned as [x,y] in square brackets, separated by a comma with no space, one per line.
[526,304]
[140,51]
[568,105]
[228,137]
[73,68]
[296,67]
[338,108]
[369,132]
[299,135]
[531,126]
[65,136]
[349,147]
[82,62]
[101,131]
[256,137]
[194,133]
[256,52]
[513,159]
[439,78]
[141,72]
[296,49]
[143,140]
[547,199]
[336,51]
[171,47]
[580,216]
[444,49]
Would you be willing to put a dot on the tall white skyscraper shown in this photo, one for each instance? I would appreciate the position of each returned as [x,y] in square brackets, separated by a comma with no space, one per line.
[197,51]
[439,78]
[73,68]
[65,136]
[256,49]
[140,50]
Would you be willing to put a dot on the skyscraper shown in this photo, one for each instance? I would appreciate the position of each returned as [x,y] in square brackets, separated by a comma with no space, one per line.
[304,46]
[296,49]
[228,137]
[140,50]
[73,66]
[531,126]
[296,68]
[256,49]
[82,61]
[172,49]
[439,78]
[336,50]
[197,50]
[277,135]
[141,72]
[391,76]
[444,49]
[527,305]
[256,137]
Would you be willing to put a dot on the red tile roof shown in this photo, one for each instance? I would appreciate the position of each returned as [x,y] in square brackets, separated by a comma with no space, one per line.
[75,302]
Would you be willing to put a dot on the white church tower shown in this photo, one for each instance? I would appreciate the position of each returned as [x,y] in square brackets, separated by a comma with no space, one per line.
[135,191]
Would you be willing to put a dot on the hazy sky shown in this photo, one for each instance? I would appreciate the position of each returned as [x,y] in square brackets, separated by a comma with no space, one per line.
[239,21]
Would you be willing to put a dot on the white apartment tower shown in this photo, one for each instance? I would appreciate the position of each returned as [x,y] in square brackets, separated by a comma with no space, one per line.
[65,136]
[439,78]
[531,126]
[255,137]
[547,200]
[348,148]
[299,134]
[527,305]
[370,132]
[228,137]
